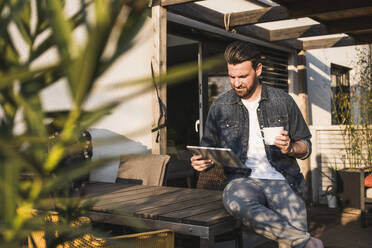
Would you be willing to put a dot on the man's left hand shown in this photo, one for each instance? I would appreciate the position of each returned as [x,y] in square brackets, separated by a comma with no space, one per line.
[283,142]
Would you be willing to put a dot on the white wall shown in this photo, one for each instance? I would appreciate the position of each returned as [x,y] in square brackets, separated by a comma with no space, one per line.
[319,79]
[326,143]
[127,129]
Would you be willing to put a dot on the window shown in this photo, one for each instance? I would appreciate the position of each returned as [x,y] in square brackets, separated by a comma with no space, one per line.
[340,98]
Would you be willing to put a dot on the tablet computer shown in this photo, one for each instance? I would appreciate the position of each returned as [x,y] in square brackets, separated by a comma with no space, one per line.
[220,156]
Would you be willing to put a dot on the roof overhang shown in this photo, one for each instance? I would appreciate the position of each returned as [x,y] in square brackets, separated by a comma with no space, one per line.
[299,24]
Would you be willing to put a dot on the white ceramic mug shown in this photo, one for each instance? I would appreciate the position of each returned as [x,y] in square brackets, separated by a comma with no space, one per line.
[270,133]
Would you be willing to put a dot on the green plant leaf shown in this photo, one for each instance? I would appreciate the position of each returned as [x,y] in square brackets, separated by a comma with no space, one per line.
[90,118]
[8,53]
[16,7]
[12,153]
[24,30]
[22,74]
[74,171]
[62,33]
[174,75]
[135,20]
[85,66]
[76,20]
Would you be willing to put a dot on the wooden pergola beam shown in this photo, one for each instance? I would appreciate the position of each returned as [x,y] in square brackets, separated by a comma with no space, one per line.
[165,3]
[328,42]
[174,2]
[362,38]
[334,27]
[351,40]
[297,32]
[206,15]
[301,8]
[199,13]
[281,13]
[286,36]
[259,16]
[350,24]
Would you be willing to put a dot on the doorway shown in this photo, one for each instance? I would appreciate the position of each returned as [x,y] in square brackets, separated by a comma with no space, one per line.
[182,100]
[182,113]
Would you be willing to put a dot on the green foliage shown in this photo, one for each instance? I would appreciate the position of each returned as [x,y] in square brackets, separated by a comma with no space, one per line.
[354,111]
[29,174]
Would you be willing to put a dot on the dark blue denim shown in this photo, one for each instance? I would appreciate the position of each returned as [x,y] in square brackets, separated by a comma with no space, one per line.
[227,126]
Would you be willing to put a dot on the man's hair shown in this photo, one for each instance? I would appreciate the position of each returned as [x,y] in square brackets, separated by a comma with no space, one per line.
[239,52]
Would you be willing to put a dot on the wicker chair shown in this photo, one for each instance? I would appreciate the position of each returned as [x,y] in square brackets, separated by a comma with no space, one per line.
[212,178]
[157,239]
[160,238]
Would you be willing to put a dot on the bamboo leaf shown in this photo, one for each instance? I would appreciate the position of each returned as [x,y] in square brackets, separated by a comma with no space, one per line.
[16,8]
[133,25]
[86,65]
[174,75]
[9,191]
[34,118]
[128,31]
[42,20]
[62,33]
[24,30]
[8,53]
[22,74]
[74,172]
[11,149]
[76,20]
[88,119]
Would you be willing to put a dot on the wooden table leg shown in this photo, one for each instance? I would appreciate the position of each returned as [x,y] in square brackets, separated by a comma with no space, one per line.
[207,242]
[239,240]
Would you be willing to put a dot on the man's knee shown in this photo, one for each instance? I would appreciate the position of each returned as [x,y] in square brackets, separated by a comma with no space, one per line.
[239,196]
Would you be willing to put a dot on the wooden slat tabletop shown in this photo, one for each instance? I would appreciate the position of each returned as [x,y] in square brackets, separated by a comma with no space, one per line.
[179,216]
[174,207]
[181,205]
[117,200]
[209,218]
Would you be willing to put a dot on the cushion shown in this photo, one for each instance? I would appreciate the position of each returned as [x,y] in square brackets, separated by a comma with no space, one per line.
[369,193]
[146,169]
[368,181]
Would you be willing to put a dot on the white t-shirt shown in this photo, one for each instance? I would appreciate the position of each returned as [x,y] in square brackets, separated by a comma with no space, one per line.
[256,155]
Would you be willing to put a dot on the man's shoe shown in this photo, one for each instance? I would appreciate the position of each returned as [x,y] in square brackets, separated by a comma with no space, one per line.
[314,243]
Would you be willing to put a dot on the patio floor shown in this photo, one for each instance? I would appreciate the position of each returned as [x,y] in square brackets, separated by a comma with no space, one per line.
[340,229]
[337,229]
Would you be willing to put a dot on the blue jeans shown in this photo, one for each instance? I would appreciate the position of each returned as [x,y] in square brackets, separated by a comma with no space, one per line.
[270,207]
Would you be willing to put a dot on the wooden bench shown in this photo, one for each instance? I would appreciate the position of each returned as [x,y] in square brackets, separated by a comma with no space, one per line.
[195,212]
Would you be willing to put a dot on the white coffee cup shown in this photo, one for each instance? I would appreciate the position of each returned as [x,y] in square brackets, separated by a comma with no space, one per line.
[270,133]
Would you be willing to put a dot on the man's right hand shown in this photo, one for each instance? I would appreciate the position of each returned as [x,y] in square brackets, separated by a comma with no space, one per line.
[200,164]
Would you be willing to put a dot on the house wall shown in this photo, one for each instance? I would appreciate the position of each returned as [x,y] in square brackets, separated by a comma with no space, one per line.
[327,140]
[319,79]
[127,129]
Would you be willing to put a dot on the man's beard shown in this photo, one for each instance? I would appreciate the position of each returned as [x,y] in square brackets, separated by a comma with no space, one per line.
[247,91]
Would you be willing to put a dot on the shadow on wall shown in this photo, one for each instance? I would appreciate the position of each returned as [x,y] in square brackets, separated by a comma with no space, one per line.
[317,182]
[319,85]
[108,144]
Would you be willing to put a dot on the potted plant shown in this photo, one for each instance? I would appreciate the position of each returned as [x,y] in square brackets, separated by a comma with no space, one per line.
[331,196]
[30,173]
[354,114]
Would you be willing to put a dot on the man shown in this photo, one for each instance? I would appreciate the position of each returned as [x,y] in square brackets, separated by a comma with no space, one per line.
[268,200]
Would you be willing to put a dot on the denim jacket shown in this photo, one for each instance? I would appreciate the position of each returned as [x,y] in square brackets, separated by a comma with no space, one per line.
[227,126]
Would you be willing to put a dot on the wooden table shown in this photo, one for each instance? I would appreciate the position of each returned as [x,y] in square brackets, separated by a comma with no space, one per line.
[187,211]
